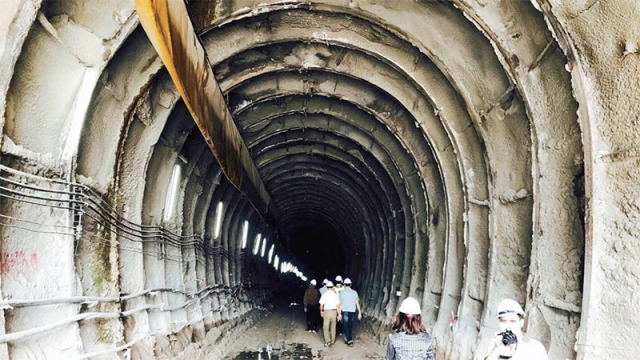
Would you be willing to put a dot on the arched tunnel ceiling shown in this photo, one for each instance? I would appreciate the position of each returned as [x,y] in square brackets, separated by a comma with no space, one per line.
[434,145]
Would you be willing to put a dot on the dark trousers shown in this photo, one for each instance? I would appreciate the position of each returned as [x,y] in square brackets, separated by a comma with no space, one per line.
[348,318]
[313,314]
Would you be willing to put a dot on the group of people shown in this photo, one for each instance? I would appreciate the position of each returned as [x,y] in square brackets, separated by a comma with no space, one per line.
[338,305]
[409,339]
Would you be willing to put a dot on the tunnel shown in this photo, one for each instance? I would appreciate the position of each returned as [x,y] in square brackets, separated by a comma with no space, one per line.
[456,151]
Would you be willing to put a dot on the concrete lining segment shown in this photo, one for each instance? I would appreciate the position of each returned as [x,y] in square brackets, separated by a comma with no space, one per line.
[538,70]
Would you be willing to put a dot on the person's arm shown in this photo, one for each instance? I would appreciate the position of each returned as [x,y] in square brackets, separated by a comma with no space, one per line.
[304,300]
[494,348]
[391,352]
[339,307]
[430,351]
[359,311]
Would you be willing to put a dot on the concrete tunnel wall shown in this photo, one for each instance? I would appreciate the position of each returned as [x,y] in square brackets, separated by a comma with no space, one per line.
[460,151]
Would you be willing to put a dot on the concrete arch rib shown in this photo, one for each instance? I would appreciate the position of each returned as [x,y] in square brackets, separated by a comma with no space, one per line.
[530,55]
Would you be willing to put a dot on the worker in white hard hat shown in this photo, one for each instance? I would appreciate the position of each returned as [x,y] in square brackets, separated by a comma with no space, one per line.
[510,343]
[338,287]
[329,312]
[349,304]
[409,339]
[311,301]
[323,289]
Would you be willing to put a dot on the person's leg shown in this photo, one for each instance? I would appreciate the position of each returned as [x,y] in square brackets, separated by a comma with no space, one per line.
[347,320]
[332,332]
[307,311]
[326,327]
[316,316]
[309,317]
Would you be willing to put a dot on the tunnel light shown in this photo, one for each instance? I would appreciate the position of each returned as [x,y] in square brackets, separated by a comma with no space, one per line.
[245,233]
[276,262]
[256,246]
[216,231]
[264,247]
[270,253]
[172,193]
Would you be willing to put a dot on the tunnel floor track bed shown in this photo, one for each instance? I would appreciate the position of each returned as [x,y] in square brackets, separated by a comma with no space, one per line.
[284,330]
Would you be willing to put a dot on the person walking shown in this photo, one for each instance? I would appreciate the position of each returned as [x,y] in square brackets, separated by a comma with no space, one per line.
[409,339]
[511,343]
[338,288]
[311,301]
[328,310]
[323,289]
[349,303]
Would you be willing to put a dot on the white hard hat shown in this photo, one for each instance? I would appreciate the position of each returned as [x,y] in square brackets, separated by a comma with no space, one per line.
[509,306]
[325,281]
[347,281]
[410,306]
[313,281]
[339,278]
[329,284]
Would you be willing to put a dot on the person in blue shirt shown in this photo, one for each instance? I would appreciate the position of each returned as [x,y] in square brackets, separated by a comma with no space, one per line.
[349,303]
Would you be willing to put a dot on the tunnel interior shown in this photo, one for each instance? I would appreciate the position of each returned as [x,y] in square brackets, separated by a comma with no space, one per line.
[442,150]
[317,245]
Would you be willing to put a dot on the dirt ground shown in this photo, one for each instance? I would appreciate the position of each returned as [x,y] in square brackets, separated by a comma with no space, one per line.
[283,329]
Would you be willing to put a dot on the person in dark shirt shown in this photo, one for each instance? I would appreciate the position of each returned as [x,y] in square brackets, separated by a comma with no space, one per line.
[311,303]
[409,340]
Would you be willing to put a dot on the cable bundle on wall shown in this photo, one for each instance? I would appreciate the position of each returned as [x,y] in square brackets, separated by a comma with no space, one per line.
[94,219]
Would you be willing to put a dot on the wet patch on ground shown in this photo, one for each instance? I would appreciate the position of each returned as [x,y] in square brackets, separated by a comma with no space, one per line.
[292,351]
